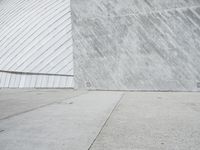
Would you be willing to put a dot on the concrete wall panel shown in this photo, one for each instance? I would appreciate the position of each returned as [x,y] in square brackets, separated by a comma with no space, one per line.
[137,44]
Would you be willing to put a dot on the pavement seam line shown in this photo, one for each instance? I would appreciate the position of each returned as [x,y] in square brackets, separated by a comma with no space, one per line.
[42,106]
[116,106]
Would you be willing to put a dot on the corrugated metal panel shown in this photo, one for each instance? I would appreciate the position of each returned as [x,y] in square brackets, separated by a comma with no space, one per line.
[10,80]
[35,37]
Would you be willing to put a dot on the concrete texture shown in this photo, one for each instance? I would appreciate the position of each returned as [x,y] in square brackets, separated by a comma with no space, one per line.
[153,121]
[70,124]
[14,102]
[137,44]
[97,120]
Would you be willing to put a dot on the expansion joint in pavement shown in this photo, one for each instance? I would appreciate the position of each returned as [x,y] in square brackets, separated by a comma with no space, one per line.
[42,106]
[117,104]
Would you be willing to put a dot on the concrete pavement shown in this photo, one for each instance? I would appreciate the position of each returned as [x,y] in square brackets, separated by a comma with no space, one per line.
[153,121]
[98,120]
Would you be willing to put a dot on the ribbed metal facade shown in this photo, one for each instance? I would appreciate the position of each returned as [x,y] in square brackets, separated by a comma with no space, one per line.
[36,43]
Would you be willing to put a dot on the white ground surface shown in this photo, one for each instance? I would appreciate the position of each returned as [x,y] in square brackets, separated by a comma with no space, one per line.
[97,120]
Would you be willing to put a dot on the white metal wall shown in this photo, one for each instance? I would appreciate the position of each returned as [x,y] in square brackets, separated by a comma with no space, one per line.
[12,80]
[36,43]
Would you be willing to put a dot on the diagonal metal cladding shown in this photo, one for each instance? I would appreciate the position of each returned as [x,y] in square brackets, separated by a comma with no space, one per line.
[36,43]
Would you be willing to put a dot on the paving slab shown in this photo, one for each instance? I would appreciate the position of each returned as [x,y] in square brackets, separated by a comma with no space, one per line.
[16,101]
[70,124]
[153,121]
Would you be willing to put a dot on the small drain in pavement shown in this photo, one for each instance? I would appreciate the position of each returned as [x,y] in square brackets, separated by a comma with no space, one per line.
[198,84]
[1,131]
[88,84]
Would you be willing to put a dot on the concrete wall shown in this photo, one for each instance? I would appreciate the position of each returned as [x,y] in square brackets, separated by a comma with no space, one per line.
[137,44]
[36,44]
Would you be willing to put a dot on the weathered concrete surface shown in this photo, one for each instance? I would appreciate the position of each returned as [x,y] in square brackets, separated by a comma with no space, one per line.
[94,8]
[81,120]
[153,121]
[137,44]
[70,124]
[17,101]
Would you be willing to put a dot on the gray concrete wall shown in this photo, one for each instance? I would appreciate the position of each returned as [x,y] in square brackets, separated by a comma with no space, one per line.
[137,44]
